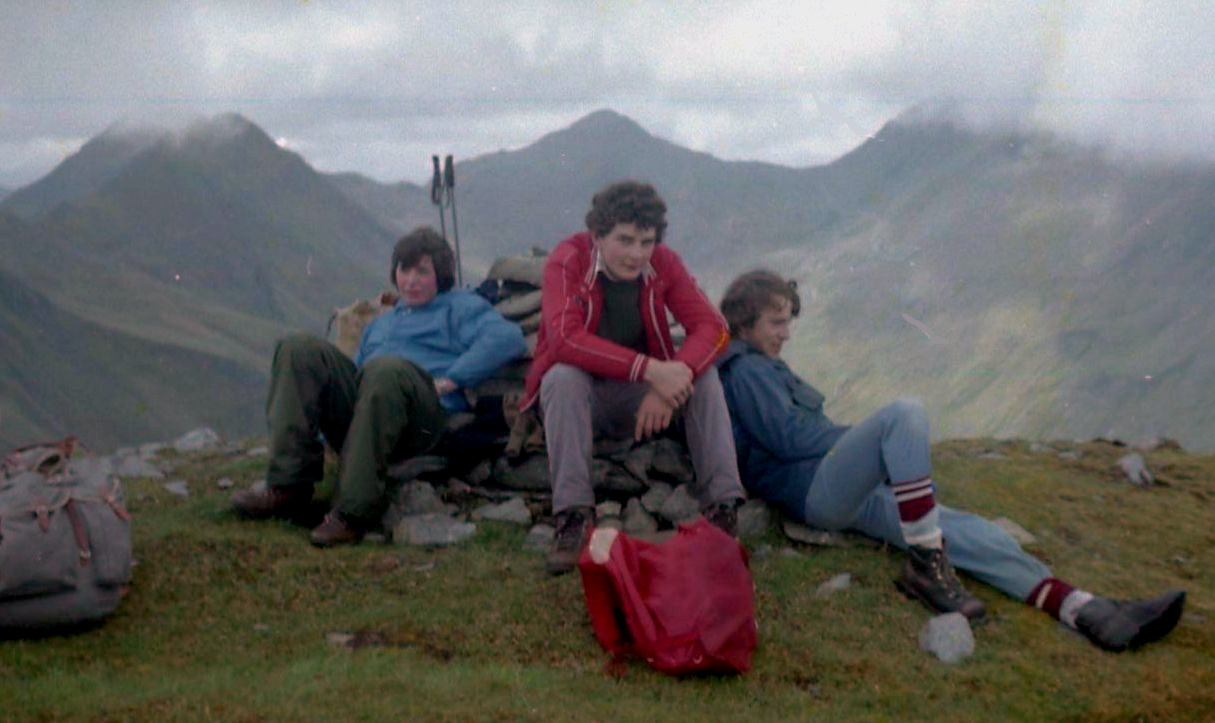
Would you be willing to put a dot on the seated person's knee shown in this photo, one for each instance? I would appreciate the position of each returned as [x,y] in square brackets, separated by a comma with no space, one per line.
[907,409]
[385,370]
[563,377]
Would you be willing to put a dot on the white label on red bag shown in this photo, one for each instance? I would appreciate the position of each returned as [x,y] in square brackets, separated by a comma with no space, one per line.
[601,543]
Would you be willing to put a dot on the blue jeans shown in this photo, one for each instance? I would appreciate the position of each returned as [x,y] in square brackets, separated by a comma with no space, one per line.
[851,491]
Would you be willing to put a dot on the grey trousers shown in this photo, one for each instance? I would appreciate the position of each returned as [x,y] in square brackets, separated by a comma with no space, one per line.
[578,406]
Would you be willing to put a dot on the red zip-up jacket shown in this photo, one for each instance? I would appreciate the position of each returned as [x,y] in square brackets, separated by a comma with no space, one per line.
[572,301]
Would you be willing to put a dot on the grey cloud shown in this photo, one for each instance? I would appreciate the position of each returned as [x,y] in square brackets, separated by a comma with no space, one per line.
[366,86]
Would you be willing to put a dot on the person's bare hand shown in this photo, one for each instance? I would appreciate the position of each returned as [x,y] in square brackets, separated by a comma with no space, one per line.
[653,416]
[670,380]
[443,385]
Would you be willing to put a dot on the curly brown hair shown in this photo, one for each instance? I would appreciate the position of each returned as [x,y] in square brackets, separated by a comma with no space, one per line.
[627,202]
[749,295]
[425,241]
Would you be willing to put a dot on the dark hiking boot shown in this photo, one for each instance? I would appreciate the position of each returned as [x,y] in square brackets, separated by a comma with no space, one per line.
[336,530]
[928,577]
[259,503]
[1118,625]
[573,528]
[724,516]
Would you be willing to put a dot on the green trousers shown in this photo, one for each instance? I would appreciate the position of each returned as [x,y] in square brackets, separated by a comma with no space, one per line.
[385,412]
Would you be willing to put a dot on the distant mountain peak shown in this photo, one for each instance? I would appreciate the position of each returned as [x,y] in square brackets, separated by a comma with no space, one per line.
[607,120]
[224,128]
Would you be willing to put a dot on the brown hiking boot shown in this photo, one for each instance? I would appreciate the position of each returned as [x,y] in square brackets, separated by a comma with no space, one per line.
[724,516]
[259,503]
[336,530]
[928,577]
[573,528]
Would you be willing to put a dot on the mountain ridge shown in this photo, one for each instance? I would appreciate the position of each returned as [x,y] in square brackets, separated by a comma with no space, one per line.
[1011,280]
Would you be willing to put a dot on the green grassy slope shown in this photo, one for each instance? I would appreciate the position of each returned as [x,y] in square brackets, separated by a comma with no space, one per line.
[229,620]
[61,375]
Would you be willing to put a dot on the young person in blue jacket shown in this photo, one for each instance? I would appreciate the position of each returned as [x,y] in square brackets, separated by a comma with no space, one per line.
[389,404]
[876,478]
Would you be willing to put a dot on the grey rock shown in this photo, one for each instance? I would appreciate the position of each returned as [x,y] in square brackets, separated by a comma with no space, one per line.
[197,440]
[482,473]
[414,498]
[1038,447]
[539,538]
[1019,533]
[656,495]
[612,447]
[225,483]
[339,639]
[637,521]
[754,518]
[990,454]
[638,460]
[513,510]
[812,536]
[257,452]
[419,498]
[415,467]
[1135,469]
[148,450]
[680,506]
[842,581]
[136,466]
[671,461]
[1196,618]
[432,530]
[948,637]
[458,486]
[529,475]
[611,477]
[178,487]
[1069,454]
[789,552]
[1156,443]
[607,509]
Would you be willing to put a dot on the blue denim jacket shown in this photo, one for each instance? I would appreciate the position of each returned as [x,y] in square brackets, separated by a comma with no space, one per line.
[458,335]
[780,431]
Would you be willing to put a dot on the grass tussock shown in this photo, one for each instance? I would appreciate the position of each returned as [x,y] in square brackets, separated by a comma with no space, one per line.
[238,621]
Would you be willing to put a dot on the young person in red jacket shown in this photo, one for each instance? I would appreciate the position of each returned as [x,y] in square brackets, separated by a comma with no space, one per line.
[605,362]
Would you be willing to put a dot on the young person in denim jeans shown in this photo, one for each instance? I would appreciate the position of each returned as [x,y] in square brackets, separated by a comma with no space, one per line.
[876,478]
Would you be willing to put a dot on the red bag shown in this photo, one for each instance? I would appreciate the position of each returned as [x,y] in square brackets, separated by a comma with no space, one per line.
[685,606]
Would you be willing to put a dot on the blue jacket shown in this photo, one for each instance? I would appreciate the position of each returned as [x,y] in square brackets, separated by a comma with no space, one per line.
[458,335]
[780,431]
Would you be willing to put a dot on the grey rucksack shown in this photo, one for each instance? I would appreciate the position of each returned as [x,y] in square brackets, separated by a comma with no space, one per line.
[65,539]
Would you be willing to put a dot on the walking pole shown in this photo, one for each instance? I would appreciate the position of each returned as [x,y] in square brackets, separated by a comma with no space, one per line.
[436,194]
[449,174]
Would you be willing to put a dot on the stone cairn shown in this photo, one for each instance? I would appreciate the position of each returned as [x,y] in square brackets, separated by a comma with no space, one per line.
[643,488]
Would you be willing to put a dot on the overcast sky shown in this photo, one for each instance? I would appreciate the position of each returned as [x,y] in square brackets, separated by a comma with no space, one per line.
[377,87]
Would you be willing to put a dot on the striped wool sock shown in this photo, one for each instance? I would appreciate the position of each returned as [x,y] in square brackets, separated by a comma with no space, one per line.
[918,512]
[1059,599]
